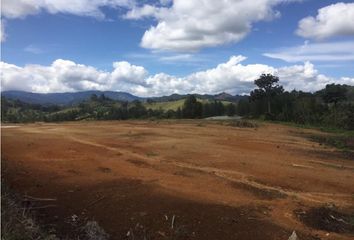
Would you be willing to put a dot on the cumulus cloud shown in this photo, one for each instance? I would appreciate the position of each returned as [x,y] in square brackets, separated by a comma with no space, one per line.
[195,24]
[64,75]
[231,76]
[317,52]
[333,20]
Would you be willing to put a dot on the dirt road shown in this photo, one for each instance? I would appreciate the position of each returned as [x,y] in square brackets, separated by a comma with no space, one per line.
[214,181]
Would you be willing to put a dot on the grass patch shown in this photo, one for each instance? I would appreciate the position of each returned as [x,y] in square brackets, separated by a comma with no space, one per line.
[345,143]
[18,222]
[316,127]
[242,124]
[174,105]
[338,138]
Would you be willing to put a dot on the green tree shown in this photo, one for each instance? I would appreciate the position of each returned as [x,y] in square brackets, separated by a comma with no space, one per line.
[243,107]
[267,89]
[192,108]
[334,94]
[93,97]
[230,109]
[179,113]
[137,109]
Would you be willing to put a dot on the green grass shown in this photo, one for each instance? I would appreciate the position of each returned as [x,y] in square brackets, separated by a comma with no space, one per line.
[173,105]
[341,142]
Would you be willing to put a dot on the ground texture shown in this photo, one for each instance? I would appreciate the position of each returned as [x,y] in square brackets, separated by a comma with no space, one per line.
[182,180]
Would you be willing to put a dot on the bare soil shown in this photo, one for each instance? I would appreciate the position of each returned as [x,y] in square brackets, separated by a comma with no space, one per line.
[209,181]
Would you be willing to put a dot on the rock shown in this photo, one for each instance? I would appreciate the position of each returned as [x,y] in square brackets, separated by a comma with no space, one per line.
[293,236]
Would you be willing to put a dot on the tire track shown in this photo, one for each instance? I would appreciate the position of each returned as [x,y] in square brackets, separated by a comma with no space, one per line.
[228,175]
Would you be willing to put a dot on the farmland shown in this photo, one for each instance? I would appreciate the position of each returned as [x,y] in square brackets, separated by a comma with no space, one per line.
[183,179]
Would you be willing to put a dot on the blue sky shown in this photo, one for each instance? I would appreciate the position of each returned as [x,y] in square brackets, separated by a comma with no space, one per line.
[160,60]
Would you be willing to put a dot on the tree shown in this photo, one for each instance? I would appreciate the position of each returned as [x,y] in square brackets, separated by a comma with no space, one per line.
[137,109]
[243,107]
[267,88]
[179,113]
[94,97]
[192,108]
[230,109]
[334,93]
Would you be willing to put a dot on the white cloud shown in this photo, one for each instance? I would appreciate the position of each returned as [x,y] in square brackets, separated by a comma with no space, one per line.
[333,20]
[165,2]
[2,31]
[302,77]
[64,75]
[141,12]
[33,49]
[184,58]
[124,71]
[92,8]
[306,78]
[231,76]
[317,52]
[195,24]
[12,9]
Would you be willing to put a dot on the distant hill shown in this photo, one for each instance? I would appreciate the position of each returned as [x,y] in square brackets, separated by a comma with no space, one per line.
[221,96]
[65,98]
[71,98]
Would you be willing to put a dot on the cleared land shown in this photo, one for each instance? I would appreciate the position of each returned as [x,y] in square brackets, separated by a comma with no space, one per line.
[207,180]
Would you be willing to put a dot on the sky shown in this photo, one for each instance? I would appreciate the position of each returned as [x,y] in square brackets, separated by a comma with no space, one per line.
[161,47]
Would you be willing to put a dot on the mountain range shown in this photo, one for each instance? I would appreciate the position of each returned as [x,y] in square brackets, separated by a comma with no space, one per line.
[71,98]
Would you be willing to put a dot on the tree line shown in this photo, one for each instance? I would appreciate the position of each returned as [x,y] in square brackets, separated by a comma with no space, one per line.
[104,108]
[332,106]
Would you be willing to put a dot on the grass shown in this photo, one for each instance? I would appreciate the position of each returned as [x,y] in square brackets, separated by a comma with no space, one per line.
[316,127]
[242,124]
[339,141]
[173,105]
[17,222]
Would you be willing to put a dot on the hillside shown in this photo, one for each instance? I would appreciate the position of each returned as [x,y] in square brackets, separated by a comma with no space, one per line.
[65,98]
[72,98]
[221,96]
[174,105]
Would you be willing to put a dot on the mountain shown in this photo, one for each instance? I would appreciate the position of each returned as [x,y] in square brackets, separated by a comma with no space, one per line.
[71,98]
[221,97]
[68,98]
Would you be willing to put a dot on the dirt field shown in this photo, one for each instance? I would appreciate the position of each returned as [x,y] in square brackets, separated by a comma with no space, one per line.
[207,180]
